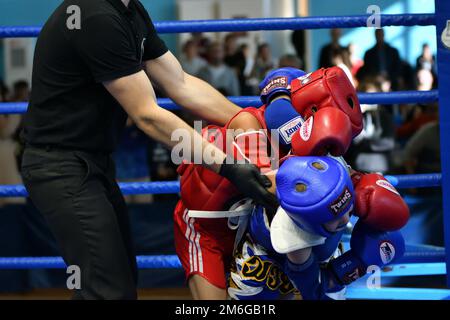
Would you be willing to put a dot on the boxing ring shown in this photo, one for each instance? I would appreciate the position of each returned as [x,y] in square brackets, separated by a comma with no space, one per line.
[419,260]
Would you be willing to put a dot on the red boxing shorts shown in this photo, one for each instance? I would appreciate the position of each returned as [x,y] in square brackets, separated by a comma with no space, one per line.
[204,246]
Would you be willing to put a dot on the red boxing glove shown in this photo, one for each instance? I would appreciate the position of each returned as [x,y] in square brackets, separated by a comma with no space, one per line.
[327,88]
[328,130]
[377,203]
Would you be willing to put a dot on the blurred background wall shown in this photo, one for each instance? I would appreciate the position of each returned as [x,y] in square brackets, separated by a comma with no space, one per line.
[36,12]
[407,40]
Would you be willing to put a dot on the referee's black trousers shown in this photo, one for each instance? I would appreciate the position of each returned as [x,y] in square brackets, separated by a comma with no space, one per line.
[84,207]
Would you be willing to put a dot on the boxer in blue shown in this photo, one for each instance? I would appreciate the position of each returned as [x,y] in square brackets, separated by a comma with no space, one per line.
[294,253]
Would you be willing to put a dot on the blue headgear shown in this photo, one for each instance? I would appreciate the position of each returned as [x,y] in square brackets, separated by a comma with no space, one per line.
[278,81]
[314,191]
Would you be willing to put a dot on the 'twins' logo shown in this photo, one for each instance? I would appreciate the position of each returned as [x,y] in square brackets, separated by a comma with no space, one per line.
[341,202]
[275,83]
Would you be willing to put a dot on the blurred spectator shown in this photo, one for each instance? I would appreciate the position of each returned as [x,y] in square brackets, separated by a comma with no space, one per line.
[414,117]
[355,61]
[21,91]
[418,115]
[326,59]
[249,60]
[9,172]
[245,69]
[3,91]
[426,59]
[422,153]
[217,73]
[371,149]
[263,62]
[289,60]
[190,59]
[131,160]
[230,47]
[407,77]
[382,59]
[382,81]
[341,59]
[236,58]
[161,167]
[424,79]
[202,43]
[298,40]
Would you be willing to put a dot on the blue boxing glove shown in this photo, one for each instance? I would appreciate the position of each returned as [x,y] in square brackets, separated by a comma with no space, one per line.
[282,120]
[368,247]
[277,82]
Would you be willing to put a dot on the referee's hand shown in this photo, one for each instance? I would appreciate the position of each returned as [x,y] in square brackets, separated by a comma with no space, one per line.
[247,178]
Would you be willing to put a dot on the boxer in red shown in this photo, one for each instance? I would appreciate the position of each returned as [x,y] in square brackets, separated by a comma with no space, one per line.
[205,246]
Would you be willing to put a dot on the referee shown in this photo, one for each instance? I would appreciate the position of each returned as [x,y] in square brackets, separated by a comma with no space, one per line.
[88,77]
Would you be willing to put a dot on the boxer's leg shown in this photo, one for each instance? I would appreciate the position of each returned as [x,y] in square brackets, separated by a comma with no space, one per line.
[202,262]
[202,289]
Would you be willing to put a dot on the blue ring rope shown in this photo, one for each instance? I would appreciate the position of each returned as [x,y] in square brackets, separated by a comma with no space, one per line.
[222,25]
[425,180]
[248,101]
[128,188]
[172,261]
[144,262]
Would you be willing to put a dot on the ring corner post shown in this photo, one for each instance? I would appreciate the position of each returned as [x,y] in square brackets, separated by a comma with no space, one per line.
[442,9]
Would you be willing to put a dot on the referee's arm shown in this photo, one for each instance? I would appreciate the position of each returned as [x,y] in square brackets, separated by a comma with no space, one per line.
[136,95]
[191,93]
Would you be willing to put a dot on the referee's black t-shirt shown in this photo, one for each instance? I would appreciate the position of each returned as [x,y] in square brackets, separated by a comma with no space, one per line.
[69,106]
